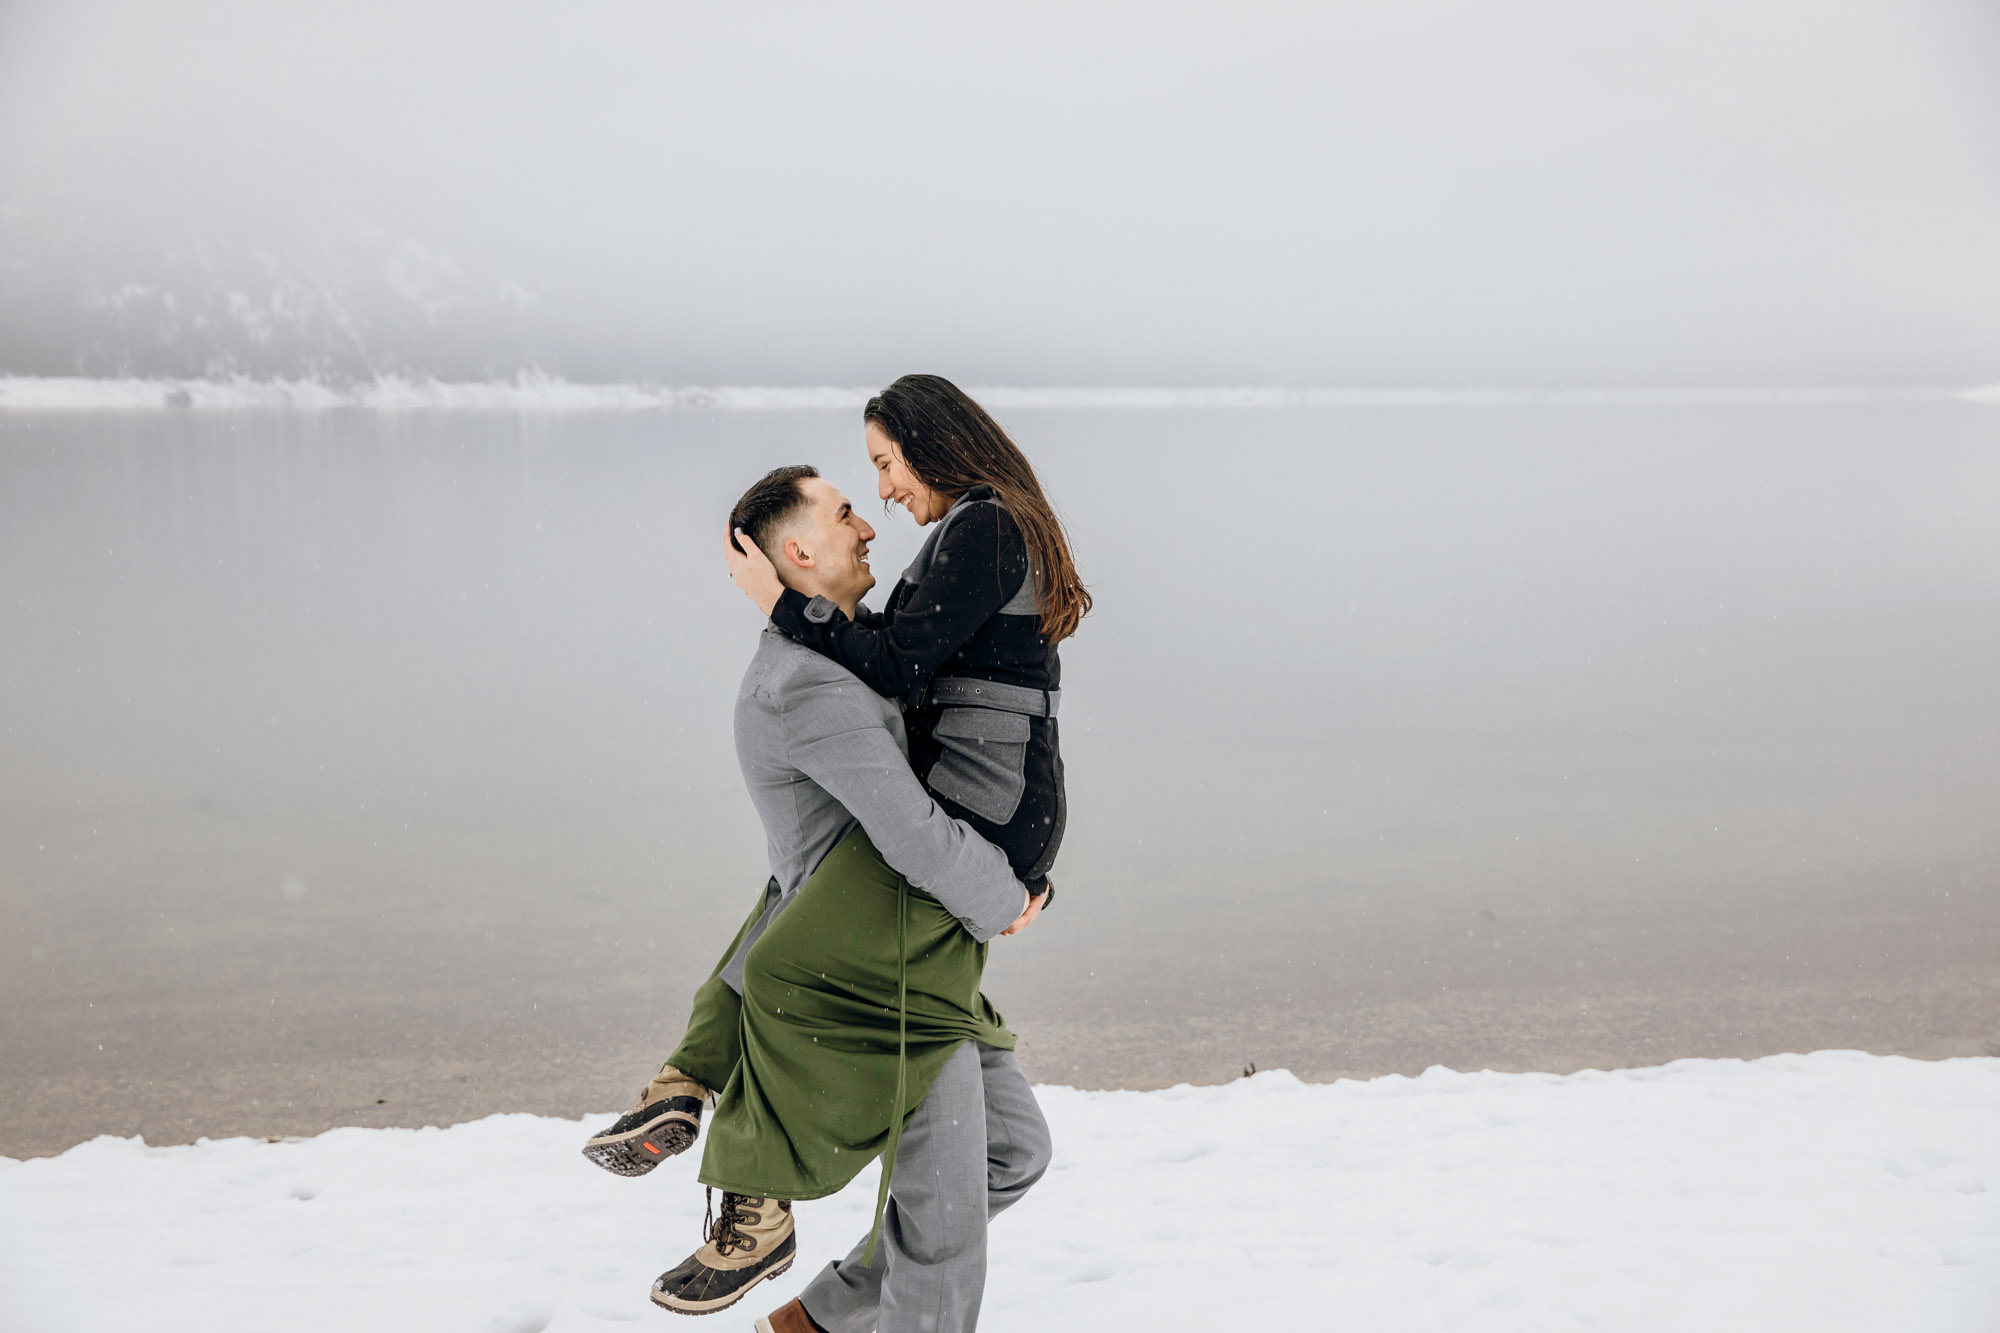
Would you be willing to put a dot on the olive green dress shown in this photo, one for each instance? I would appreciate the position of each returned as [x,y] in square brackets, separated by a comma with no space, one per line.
[853,999]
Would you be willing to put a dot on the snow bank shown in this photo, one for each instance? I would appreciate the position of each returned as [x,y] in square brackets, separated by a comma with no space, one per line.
[529,393]
[1835,1191]
[536,393]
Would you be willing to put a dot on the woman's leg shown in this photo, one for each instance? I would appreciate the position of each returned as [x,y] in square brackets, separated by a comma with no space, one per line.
[667,1116]
[713,1042]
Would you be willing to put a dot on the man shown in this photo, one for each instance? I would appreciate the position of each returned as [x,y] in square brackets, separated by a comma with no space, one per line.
[852,993]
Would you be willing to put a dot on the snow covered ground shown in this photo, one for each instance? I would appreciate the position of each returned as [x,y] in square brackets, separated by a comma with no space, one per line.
[1824,1192]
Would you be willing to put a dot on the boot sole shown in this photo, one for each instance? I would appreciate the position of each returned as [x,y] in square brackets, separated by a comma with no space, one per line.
[638,1151]
[711,1307]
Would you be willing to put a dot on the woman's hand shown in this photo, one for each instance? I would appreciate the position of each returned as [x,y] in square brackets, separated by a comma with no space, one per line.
[1033,910]
[752,571]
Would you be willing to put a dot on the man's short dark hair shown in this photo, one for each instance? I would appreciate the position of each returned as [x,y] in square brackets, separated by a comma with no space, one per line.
[765,506]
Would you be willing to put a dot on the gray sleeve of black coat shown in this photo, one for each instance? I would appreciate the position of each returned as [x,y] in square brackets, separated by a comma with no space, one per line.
[835,735]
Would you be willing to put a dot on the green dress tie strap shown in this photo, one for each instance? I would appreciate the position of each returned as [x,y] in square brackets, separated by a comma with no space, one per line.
[902,1065]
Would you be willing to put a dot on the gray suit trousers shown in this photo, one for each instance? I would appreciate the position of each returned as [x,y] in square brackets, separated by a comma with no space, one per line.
[975,1146]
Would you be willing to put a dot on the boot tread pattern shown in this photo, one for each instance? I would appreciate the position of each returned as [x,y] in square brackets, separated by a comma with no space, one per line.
[628,1149]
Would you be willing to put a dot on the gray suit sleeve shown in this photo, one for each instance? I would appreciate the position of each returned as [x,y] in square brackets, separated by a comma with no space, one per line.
[836,737]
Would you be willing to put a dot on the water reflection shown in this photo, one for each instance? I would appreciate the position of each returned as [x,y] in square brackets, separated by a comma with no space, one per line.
[360,756]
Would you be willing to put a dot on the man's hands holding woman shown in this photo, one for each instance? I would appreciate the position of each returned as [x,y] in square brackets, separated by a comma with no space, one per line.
[752,571]
[1034,909]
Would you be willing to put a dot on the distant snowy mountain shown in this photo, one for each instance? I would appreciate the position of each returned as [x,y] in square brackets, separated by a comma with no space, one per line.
[357,305]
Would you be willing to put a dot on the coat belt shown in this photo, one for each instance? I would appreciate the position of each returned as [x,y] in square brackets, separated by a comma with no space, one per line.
[968,691]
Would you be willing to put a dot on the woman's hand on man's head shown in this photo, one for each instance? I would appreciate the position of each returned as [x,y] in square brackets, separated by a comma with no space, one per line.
[752,571]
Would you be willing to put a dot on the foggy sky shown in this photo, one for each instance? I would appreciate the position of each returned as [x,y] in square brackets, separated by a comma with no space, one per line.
[1403,192]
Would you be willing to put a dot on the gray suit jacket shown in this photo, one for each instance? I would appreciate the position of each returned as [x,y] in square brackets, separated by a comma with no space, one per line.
[821,752]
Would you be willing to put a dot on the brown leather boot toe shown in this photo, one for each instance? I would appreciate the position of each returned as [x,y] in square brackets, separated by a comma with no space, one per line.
[791,1317]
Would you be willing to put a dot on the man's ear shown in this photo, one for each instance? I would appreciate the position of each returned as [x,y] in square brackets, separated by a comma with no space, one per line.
[797,554]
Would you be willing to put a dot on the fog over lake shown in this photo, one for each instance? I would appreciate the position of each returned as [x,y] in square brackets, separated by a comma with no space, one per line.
[1375,192]
[364,767]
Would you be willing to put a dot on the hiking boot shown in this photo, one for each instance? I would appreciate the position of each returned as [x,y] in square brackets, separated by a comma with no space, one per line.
[664,1122]
[790,1317]
[751,1240]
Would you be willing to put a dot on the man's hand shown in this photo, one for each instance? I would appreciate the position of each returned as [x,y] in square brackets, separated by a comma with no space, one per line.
[1033,910]
[752,571]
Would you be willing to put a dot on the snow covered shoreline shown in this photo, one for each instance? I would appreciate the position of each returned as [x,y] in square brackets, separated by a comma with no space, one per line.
[541,393]
[1830,1191]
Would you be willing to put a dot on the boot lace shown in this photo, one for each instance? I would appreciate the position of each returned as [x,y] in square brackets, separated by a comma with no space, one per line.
[725,1230]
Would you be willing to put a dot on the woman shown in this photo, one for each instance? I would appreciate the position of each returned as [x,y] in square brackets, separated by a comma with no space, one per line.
[968,639]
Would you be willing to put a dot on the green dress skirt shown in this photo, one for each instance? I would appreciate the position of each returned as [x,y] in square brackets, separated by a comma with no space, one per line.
[853,999]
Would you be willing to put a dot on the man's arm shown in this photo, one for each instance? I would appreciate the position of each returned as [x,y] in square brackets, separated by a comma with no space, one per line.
[978,567]
[835,736]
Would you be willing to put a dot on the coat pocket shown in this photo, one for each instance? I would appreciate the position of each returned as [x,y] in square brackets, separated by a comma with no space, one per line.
[982,761]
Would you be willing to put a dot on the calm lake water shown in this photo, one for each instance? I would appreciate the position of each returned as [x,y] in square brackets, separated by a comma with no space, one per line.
[374,768]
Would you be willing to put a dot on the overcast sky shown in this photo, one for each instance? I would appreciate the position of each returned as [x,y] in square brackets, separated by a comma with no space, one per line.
[1410,192]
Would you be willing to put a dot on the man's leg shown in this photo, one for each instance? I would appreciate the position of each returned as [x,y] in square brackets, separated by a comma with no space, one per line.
[972,1149]
[1018,1149]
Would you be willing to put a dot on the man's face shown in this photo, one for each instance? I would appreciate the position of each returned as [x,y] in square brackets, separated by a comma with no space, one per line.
[827,554]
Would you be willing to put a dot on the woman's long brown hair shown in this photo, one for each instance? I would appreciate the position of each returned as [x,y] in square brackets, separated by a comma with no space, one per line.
[952,445]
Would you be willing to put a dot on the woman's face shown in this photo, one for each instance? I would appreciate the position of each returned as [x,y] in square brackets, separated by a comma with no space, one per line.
[895,483]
